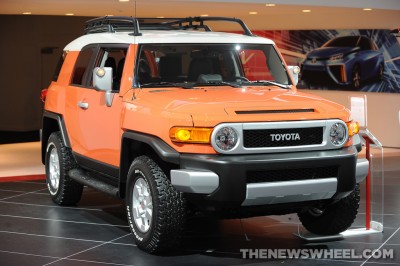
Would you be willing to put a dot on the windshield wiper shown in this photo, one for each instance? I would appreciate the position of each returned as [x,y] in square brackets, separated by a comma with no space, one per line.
[166,84]
[216,83]
[270,83]
[188,85]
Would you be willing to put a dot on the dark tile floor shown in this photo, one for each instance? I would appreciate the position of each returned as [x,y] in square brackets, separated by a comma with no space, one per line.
[34,231]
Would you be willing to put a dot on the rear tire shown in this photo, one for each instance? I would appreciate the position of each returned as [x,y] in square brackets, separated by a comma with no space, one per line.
[59,160]
[336,218]
[155,209]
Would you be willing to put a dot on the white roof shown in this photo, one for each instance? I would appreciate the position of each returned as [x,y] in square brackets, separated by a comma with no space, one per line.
[173,36]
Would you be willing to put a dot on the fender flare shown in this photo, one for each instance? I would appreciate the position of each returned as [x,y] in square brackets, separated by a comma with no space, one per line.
[53,122]
[130,140]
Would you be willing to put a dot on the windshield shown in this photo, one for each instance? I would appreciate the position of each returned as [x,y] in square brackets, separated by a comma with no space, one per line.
[214,64]
[347,41]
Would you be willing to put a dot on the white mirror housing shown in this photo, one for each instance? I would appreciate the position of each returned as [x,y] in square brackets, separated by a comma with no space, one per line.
[103,78]
[294,71]
[103,81]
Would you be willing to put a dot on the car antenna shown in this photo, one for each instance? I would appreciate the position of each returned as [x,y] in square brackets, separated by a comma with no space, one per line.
[135,10]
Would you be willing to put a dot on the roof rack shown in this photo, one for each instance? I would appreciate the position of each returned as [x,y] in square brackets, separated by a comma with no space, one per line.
[112,24]
[122,23]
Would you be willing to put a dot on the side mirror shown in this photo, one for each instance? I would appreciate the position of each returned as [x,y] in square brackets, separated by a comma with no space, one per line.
[103,81]
[295,70]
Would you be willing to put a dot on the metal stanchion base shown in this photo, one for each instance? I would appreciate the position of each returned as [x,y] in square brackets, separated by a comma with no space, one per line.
[376,227]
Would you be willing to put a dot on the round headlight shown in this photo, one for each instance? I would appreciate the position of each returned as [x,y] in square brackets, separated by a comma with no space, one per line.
[226,138]
[338,134]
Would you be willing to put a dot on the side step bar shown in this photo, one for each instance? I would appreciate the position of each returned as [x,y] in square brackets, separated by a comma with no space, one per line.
[87,179]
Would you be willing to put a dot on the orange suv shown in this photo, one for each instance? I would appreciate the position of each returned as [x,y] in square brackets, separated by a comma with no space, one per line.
[176,118]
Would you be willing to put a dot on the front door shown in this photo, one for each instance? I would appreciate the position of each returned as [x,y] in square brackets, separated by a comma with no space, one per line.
[94,128]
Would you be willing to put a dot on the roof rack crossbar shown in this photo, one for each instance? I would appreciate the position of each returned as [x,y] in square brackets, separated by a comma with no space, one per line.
[112,24]
[246,30]
[119,23]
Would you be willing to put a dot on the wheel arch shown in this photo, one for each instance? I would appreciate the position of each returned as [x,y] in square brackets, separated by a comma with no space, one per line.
[52,122]
[134,144]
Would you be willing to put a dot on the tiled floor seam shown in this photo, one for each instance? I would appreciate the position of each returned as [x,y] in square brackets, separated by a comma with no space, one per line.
[19,191]
[50,206]
[62,221]
[23,194]
[105,243]
[57,237]
[27,254]
[52,257]
[395,232]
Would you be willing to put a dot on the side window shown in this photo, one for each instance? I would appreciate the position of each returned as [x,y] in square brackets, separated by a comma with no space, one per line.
[113,57]
[58,67]
[365,44]
[82,69]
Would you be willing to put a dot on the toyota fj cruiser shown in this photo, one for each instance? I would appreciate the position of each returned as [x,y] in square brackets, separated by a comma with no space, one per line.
[176,118]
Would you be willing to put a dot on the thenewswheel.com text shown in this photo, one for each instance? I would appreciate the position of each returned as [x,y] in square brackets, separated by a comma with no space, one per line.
[316,253]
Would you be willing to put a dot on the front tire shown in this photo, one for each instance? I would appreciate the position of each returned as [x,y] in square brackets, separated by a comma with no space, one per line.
[59,160]
[336,218]
[155,209]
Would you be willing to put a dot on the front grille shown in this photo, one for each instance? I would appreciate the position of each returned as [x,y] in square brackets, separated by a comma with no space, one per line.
[290,174]
[263,138]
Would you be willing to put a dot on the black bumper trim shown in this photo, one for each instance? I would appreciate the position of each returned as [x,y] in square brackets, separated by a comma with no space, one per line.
[232,170]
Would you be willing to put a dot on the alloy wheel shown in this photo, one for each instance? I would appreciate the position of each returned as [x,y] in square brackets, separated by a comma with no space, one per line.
[142,205]
[54,169]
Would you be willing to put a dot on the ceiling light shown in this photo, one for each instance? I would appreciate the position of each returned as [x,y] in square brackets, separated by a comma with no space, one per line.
[123,0]
[69,14]
[27,13]
[253,12]
[270,4]
[367,9]
[306,10]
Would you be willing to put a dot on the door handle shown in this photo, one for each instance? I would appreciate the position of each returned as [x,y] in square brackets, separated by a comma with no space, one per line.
[83,105]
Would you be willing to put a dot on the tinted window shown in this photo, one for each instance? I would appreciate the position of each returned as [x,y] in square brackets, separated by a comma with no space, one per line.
[191,63]
[365,44]
[58,68]
[114,58]
[348,41]
[82,69]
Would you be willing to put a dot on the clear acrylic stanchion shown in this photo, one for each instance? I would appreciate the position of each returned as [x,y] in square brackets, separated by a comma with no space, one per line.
[372,195]
[374,208]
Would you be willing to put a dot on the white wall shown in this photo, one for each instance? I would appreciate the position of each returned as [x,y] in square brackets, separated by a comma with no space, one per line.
[383,113]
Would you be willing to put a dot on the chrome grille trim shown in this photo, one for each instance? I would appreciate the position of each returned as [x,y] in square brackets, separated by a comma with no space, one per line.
[239,127]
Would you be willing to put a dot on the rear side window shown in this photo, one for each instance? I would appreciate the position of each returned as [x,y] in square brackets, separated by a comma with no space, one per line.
[82,69]
[58,68]
[365,44]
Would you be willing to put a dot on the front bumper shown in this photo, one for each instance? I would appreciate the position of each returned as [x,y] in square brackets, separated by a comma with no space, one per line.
[221,180]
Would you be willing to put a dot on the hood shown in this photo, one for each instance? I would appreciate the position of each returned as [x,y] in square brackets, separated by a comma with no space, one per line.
[326,52]
[209,106]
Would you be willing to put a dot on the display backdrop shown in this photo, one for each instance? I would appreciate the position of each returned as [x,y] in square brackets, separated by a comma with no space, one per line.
[349,60]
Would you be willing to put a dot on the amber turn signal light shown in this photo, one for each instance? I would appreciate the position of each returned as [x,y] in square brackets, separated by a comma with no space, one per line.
[190,134]
[353,128]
